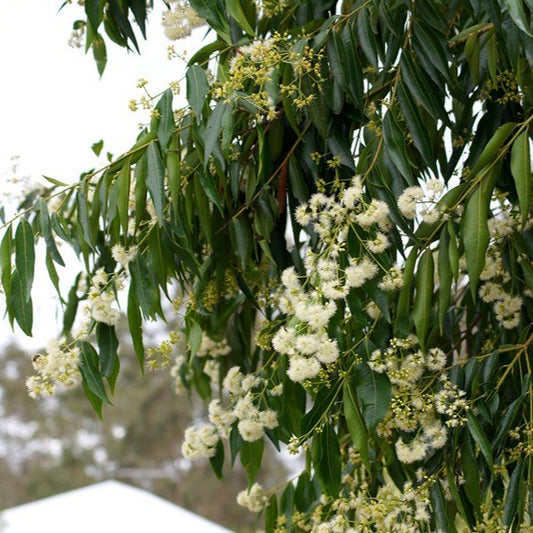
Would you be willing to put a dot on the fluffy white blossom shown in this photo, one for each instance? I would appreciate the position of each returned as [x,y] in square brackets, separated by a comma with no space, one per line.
[253,499]
[200,442]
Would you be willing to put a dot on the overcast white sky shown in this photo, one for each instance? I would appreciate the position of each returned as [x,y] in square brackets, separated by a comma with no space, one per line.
[54,106]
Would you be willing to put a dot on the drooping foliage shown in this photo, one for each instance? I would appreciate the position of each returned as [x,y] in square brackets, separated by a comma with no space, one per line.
[342,214]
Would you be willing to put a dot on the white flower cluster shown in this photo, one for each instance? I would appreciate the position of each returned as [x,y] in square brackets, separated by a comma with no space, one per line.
[58,367]
[421,201]
[251,420]
[180,20]
[506,307]
[307,344]
[355,510]
[123,255]
[253,499]
[415,409]
[101,299]
[212,348]
[200,442]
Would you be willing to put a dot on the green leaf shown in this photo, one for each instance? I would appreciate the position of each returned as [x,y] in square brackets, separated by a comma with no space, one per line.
[356,424]
[210,11]
[99,53]
[491,150]
[94,9]
[326,455]
[155,180]
[480,437]
[197,89]
[21,304]
[194,337]
[46,231]
[271,514]
[395,146]
[241,240]
[423,296]
[508,419]
[513,494]
[202,56]
[135,326]
[423,89]
[212,131]
[475,235]
[401,325]
[367,39]
[445,276]
[323,402]
[217,461]
[107,347]
[165,127]
[25,256]
[439,507]
[52,273]
[472,486]
[234,8]
[521,171]
[251,455]
[453,250]
[71,308]
[374,393]
[337,58]
[416,126]
[432,45]
[143,286]
[94,400]
[83,216]
[6,248]
[516,9]
[89,368]
[97,147]
[122,185]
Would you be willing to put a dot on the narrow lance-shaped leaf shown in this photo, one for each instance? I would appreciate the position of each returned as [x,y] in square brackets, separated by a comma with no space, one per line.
[165,126]
[423,296]
[445,275]
[122,185]
[212,130]
[135,326]
[197,89]
[475,235]
[142,284]
[6,247]
[374,393]
[21,305]
[325,453]
[107,345]
[513,493]
[155,180]
[46,231]
[90,371]
[83,216]
[235,9]
[356,424]
[25,256]
[479,436]
[251,455]
[491,150]
[416,126]
[521,171]
[395,146]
